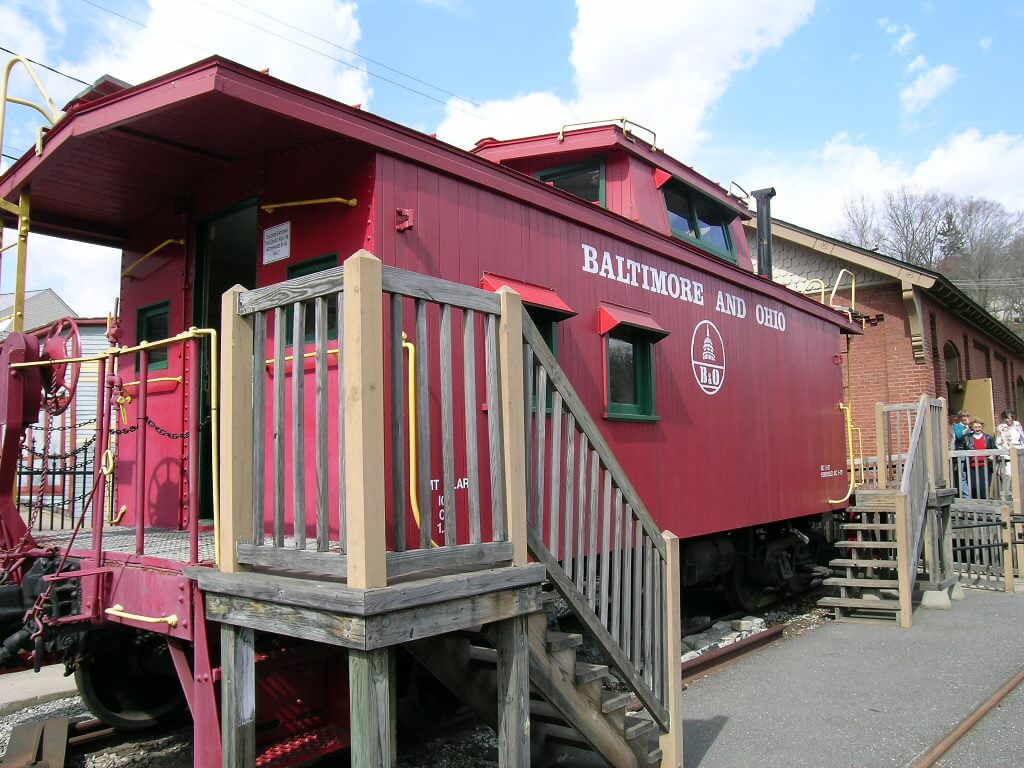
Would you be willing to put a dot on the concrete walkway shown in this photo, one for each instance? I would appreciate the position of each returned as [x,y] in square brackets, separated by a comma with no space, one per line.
[24,689]
[860,696]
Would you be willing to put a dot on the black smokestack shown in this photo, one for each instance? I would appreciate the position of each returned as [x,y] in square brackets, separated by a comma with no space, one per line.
[764,230]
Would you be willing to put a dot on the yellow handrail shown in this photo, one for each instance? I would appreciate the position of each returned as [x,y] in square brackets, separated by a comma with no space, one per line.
[819,283]
[351,202]
[853,289]
[119,611]
[410,349]
[849,445]
[270,361]
[131,267]
[214,432]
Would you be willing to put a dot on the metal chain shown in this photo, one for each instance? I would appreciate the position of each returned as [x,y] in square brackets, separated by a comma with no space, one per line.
[68,426]
[74,452]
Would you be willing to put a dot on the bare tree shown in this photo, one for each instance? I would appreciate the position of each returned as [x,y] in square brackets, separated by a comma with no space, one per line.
[860,222]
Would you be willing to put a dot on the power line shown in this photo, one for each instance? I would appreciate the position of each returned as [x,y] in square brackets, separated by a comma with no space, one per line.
[138,23]
[44,66]
[354,53]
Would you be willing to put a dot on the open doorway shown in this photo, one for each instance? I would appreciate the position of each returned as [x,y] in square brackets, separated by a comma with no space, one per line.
[227,245]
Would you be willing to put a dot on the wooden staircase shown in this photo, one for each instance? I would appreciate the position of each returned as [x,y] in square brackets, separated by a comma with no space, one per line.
[869,587]
[572,702]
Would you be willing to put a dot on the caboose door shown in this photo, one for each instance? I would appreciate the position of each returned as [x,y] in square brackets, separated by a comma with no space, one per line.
[226,254]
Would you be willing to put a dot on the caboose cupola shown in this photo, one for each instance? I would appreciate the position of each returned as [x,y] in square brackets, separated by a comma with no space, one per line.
[609,166]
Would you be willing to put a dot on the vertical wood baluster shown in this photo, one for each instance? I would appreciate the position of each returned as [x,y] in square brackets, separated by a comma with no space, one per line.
[342,483]
[472,414]
[592,526]
[570,507]
[298,474]
[638,590]
[279,461]
[556,468]
[323,527]
[627,582]
[606,550]
[616,555]
[399,460]
[649,621]
[528,403]
[451,513]
[259,427]
[581,501]
[423,424]
[495,438]
[541,441]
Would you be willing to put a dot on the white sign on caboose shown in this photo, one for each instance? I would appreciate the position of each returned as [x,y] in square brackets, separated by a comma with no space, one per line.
[707,353]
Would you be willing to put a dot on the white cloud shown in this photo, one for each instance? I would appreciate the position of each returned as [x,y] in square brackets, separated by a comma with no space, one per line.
[985,42]
[972,164]
[812,186]
[611,50]
[905,40]
[926,87]
[919,62]
[888,26]
[85,276]
[177,34]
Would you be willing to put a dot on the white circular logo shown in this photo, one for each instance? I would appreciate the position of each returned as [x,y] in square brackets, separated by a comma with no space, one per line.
[707,352]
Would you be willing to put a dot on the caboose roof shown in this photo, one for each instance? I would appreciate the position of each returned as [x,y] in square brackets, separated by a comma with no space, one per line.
[122,154]
[607,137]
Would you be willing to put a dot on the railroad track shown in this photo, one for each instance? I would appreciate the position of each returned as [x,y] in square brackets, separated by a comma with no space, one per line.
[943,745]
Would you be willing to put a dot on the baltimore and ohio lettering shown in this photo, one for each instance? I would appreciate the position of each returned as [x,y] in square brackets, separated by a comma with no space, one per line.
[640,275]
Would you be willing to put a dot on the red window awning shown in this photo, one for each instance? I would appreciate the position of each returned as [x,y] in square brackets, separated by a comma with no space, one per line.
[610,316]
[535,295]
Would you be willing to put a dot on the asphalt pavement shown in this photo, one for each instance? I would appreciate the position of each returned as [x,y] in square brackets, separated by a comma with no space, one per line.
[865,696]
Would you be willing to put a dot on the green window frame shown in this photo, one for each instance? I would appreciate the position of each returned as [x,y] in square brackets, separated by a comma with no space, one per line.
[153,323]
[629,368]
[690,214]
[547,323]
[301,269]
[576,177]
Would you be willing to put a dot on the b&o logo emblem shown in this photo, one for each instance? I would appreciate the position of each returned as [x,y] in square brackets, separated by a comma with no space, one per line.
[707,352]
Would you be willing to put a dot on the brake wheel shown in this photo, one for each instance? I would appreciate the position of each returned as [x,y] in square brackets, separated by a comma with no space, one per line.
[62,346]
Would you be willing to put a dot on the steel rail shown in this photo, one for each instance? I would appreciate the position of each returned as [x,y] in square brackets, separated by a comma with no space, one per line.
[942,746]
[712,661]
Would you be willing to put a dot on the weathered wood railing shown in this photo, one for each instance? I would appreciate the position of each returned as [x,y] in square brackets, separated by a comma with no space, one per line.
[589,527]
[347,456]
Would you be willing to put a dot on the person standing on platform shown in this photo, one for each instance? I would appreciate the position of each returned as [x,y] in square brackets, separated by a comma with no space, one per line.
[979,467]
[961,426]
[1009,432]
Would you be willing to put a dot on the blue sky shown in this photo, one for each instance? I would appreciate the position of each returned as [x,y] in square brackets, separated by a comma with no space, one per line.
[823,100]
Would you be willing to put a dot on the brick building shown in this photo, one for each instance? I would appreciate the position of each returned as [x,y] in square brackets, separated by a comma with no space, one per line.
[921,332]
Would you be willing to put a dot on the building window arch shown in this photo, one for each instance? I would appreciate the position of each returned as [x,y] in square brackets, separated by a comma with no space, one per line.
[954,372]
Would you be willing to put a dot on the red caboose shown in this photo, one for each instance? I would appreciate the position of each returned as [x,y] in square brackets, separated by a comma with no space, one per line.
[718,391]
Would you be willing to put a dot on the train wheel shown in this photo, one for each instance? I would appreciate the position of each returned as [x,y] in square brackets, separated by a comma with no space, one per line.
[742,594]
[127,679]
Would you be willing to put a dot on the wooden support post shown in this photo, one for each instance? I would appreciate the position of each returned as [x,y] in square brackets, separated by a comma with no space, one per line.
[238,696]
[672,742]
[371,706]
[881,447]
[1016,466]
[1004,515]
[512,643]
[236,478]
[510,343]
[903,561]
[362,351]
[947,471]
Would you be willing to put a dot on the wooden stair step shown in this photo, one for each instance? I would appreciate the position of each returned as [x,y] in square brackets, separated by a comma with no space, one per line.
[858,563]
[586,673]
[867,544]
[612,700]
[866,583]
[859,603]
[887,620]
[637,725]
[869,526]
[654,756]
[482,654]
[563,641]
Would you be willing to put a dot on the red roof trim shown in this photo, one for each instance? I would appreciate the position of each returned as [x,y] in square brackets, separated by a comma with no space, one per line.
[609,316]
[536,295]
